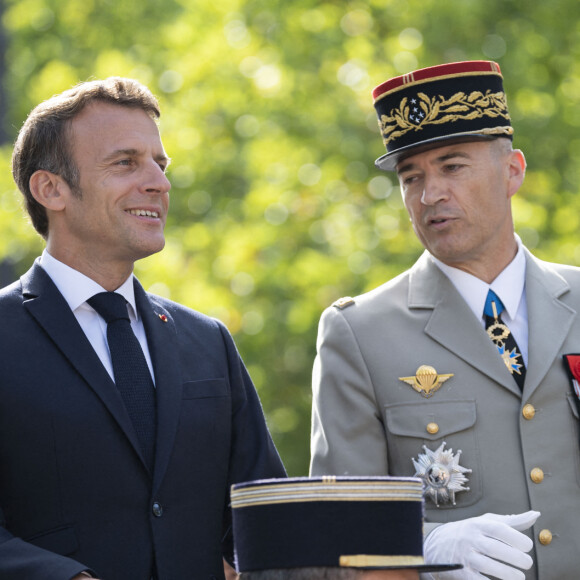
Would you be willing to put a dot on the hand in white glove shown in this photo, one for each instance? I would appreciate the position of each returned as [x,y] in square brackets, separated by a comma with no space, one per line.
[482,545]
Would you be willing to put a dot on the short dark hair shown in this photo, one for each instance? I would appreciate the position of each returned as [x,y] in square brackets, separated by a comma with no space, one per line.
[44,142]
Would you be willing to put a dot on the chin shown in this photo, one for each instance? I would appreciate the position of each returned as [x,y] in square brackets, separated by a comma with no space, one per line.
[148,250]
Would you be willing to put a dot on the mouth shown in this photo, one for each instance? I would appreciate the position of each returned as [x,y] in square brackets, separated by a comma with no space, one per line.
[439,222]
[439,219]
[143,213]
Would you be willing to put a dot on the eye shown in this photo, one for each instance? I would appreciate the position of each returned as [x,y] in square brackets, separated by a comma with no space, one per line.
[408,180]
[125,162]
[453,167]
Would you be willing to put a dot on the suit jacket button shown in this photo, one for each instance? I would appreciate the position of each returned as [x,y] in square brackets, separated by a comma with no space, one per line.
[537,475]
[157,509]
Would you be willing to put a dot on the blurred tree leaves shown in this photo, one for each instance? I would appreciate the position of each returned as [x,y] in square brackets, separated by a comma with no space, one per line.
[277,209]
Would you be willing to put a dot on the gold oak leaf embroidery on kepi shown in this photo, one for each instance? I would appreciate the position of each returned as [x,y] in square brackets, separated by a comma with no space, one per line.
[422,111]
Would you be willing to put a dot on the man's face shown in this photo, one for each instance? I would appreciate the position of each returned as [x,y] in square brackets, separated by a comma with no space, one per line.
[458,198]
[390,575]
[121,213]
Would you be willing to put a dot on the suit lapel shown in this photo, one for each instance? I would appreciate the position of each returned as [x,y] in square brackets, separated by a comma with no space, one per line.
[453,325]
[50,310]
[549,319]
[164,350]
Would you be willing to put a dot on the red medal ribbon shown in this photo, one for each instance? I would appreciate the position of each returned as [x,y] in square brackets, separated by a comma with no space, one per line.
[573,368]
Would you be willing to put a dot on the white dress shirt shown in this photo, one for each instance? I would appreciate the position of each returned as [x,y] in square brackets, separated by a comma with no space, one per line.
[77,289]
[509,287]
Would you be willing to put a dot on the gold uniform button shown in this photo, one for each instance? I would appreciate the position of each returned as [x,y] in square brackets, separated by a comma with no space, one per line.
[528,412]
[537,475]
[545,537]
[432,428]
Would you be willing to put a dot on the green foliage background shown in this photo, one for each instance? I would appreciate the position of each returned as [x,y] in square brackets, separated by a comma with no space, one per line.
[277,209]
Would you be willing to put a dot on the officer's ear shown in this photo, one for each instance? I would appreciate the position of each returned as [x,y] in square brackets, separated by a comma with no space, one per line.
[516,171]
[49,189]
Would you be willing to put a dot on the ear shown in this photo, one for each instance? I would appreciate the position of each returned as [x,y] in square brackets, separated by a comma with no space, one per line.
[49,190]
[517,171]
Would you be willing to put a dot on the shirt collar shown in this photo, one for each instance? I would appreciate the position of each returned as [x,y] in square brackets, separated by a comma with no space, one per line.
[77,288]
[508,285]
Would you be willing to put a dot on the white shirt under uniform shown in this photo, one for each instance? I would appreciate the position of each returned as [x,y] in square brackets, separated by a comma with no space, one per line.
[509,286]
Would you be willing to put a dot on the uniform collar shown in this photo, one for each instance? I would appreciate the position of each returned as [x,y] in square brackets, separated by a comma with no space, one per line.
[508,285]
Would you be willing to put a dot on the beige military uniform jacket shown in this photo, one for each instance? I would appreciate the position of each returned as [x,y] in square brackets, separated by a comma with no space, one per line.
[523,449]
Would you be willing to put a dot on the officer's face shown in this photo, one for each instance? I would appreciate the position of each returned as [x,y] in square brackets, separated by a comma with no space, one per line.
[458,197]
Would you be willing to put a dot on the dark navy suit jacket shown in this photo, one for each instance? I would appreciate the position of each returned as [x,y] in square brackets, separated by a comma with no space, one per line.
[75,493]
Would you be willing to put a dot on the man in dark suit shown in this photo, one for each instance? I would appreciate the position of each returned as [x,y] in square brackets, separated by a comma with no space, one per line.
[88,486]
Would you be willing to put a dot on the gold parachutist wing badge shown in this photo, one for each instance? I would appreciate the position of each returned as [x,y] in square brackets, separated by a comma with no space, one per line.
[426,380]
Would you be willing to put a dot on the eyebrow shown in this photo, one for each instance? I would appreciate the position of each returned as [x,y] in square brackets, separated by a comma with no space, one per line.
[441,159]
[135,153]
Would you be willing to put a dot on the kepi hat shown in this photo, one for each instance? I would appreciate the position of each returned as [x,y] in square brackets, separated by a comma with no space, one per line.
[330,521]
[463,101]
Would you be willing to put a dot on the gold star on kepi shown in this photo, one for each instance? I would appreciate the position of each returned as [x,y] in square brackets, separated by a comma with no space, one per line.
[426,380]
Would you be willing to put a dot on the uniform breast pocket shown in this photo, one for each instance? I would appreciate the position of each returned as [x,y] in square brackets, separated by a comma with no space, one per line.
[438,434]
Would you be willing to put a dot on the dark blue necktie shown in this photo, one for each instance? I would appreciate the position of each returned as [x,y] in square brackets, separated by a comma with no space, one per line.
[130,369]
[503,338]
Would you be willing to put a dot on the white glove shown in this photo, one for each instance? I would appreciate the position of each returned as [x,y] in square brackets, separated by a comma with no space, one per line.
[482,544]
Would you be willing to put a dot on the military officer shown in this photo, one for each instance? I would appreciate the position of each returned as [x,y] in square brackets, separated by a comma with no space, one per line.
[460,370]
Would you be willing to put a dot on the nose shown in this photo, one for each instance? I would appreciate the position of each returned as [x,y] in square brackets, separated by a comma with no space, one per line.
[434,190]
[155,180]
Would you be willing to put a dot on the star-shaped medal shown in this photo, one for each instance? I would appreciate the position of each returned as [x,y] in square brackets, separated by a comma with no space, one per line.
[510,358]
[441,473]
